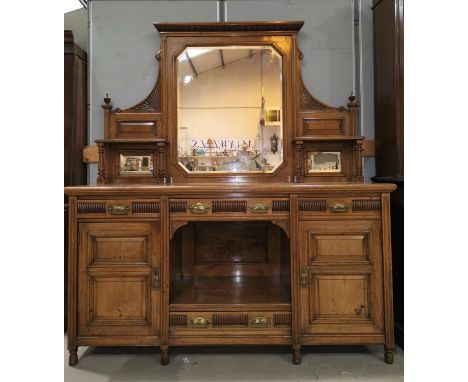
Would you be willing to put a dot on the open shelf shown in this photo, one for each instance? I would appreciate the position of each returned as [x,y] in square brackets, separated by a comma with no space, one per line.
[237,291]
[247,269]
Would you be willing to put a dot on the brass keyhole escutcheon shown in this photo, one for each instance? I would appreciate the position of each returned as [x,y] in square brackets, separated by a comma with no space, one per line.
[304,276]
[359,310]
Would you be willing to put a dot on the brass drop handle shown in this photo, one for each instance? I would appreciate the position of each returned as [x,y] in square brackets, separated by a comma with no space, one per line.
[199,208]
[260,322]
[155,282]
[119,209]
[259,208]
[359,310]
[199,322]
[304,276]
[338,207]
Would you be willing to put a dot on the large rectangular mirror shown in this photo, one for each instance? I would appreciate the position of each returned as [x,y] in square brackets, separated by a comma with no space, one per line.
[229,105]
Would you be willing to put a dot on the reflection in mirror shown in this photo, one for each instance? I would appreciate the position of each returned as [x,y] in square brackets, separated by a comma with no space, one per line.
[229,103]
[131,164]
[324,162]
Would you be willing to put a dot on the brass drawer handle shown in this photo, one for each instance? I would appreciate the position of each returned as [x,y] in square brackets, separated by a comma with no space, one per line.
[304,276]
[119,209]
[260,322]
[199,208]
[155,278]
[338,207]
[259,208]
[199,322]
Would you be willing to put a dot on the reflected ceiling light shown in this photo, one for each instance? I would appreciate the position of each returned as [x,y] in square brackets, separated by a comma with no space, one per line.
[187,79]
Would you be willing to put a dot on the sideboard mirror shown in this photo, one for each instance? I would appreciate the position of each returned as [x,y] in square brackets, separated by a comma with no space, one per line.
[229,109]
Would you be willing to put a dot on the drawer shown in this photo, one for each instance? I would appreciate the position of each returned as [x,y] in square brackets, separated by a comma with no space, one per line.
[353,242]
[118,208]
[230,207]
[358,206]
[240,322]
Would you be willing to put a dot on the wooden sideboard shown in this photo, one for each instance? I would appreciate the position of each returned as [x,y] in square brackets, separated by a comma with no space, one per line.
[276,241]
[313,268]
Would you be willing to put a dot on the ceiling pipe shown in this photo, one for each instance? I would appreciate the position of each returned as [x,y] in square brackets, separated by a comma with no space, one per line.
[84,3]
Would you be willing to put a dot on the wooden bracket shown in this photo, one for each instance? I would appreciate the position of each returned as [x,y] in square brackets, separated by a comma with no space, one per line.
[90,154]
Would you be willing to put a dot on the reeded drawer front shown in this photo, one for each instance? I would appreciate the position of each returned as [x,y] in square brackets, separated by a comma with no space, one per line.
[191,322]
[340,206]
[229,207]
[118,208]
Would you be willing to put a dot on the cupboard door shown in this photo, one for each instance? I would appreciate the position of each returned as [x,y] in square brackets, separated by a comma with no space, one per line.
[119,292]
[341,277]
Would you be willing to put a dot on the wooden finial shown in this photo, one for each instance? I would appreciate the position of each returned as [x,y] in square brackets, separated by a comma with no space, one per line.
[107,102]
[352,101]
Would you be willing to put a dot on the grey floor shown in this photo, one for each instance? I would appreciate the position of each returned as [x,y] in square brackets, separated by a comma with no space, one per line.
[137,364]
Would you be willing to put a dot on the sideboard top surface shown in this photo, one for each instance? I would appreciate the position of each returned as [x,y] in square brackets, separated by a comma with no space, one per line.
[196,188]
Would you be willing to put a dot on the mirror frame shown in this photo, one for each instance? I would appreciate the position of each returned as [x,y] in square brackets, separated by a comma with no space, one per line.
[285,45]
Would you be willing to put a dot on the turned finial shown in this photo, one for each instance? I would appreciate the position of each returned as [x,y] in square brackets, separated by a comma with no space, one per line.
[352,101]
[107,104]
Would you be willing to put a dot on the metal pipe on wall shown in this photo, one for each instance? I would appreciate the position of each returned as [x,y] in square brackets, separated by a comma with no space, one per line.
[222,11]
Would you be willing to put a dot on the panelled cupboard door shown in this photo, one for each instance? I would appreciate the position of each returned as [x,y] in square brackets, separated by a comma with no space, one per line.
[119,279]
[341,287]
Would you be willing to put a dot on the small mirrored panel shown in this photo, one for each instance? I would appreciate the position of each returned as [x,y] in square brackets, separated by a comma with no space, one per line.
[229,104]
[136,164]
[324,162]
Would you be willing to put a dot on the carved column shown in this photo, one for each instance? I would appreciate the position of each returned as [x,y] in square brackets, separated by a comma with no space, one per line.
[352,105]
[161,168]
[358,158]
[107,114]
[298,162]
[101,164]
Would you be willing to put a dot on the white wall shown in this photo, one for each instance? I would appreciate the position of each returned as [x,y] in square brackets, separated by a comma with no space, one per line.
[123,42]
[325,39]
[77,21]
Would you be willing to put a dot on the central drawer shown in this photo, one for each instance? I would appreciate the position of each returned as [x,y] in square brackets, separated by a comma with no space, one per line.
[242,207]
[213,323]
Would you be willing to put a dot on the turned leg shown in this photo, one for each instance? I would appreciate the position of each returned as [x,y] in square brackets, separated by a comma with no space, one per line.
[388,355]
[297,358]
[164,355]
[73,358]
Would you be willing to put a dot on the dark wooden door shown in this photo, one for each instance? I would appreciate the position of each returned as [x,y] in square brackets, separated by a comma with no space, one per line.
[341,277]
[389,131]
[119,292]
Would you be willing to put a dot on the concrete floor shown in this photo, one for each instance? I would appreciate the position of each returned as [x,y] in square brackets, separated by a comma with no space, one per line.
[138,364]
